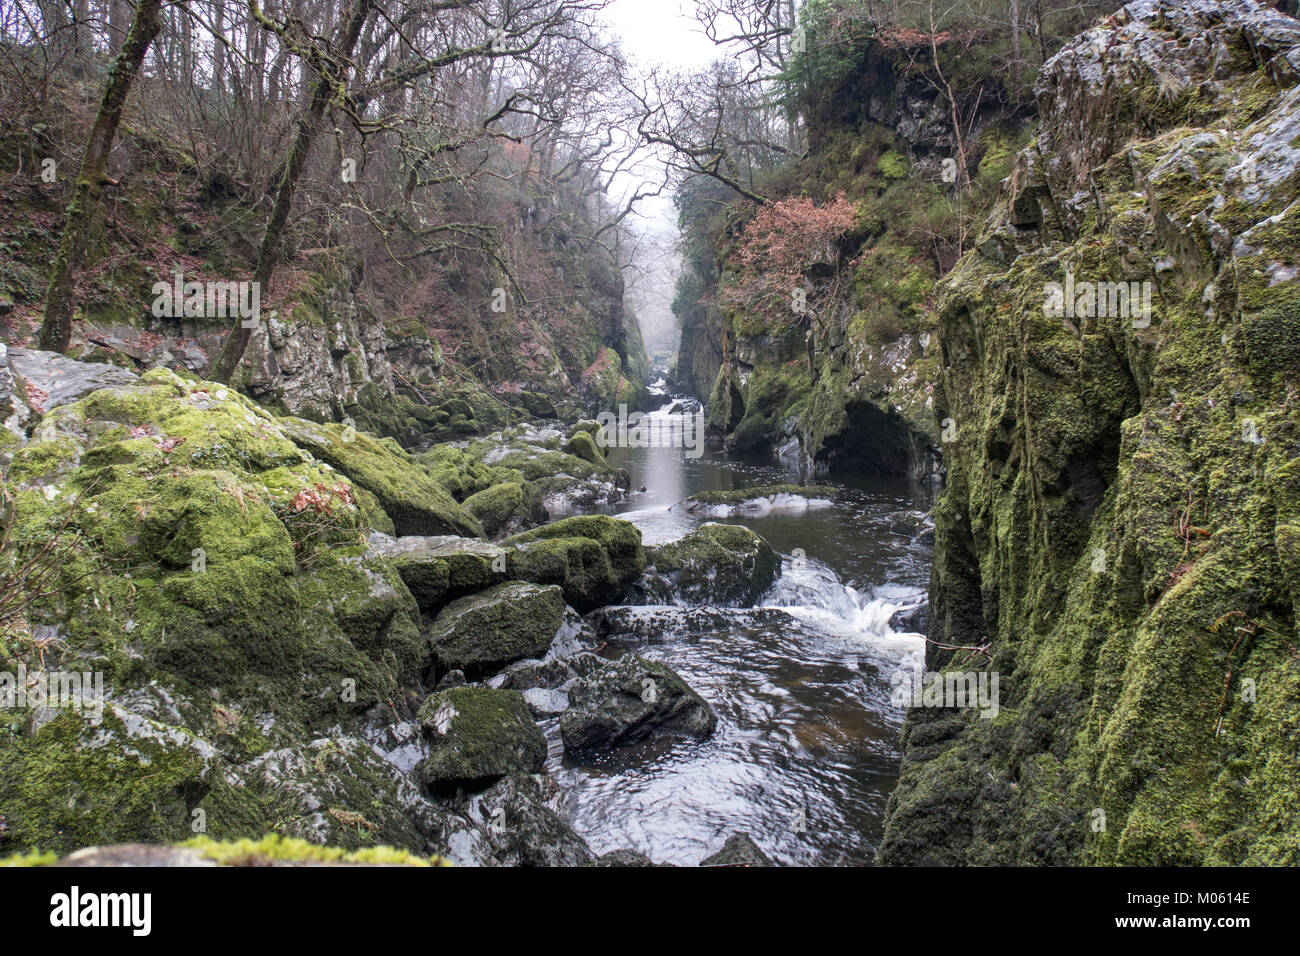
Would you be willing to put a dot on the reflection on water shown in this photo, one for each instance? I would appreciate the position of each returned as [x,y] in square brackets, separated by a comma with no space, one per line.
[806,750]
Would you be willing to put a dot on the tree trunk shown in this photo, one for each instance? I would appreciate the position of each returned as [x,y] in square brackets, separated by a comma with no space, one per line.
[1015,51]
[308,125]
[117,25]
[56,325]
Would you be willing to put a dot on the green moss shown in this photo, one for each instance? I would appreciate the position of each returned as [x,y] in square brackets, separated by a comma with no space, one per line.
[416,503]
[506,507]
[273,850]
[591,577]
[484,632]
[719,565]
[892,165]
[583,445]
[477,735]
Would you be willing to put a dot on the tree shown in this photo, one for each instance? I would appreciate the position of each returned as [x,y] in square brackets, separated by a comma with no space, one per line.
[332,67]
[56,324]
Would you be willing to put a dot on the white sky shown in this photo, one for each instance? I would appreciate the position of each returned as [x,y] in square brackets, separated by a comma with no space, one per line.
[660,31]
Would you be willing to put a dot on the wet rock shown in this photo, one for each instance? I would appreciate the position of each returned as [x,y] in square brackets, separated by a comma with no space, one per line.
[759,502]
[544,702]
[718,565]
[552,673]
[484,632]
[477,735]
[739,850]
[630,700]
[626,858]
[515,823]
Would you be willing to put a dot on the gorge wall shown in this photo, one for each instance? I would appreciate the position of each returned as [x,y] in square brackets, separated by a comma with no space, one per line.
[412,339]
[1120,527]
[845,383]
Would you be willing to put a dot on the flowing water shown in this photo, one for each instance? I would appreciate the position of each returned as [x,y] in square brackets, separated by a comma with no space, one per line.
[806,750]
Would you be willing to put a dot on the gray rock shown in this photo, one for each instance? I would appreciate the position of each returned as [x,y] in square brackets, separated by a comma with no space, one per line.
[476,736]
[482,633]
[631,700]
[739,850]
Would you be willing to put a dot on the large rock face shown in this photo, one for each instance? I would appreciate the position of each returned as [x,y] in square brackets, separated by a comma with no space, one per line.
[1121,523]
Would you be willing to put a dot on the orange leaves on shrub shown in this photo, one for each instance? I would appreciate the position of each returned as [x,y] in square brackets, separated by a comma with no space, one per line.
[777,247]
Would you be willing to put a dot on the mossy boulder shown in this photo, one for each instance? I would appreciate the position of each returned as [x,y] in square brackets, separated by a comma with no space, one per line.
[417,504]
[441,568]
[594,558]
[480,634]
[507,508]
[583,445]
[630,700]
[717,564]
[476,736]
[461,473]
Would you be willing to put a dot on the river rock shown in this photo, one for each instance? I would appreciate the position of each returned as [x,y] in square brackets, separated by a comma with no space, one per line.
[484,632]
[476,736]
[515,823]
[739,850]
[630,700]
[594,558]
[759,502]
[626,858]
[440,568]
[719,565]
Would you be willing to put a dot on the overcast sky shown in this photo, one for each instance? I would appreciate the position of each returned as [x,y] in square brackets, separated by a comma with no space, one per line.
[660,31]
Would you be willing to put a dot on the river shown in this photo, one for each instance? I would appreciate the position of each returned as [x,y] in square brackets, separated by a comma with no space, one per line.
[806,750]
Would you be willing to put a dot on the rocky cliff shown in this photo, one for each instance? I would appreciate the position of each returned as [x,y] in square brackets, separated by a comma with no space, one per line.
[841,378]
[1119,537]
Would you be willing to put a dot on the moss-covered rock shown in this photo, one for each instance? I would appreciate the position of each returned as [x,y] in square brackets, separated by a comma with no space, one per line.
[630,700]
[717,564]
[416,503]
[507,508]
[739,850]
[480,634]
[476,736]
[594,558]
[583,445]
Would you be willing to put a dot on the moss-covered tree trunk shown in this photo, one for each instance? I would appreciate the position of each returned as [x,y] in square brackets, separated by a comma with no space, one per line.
[331,78]
[56,325]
